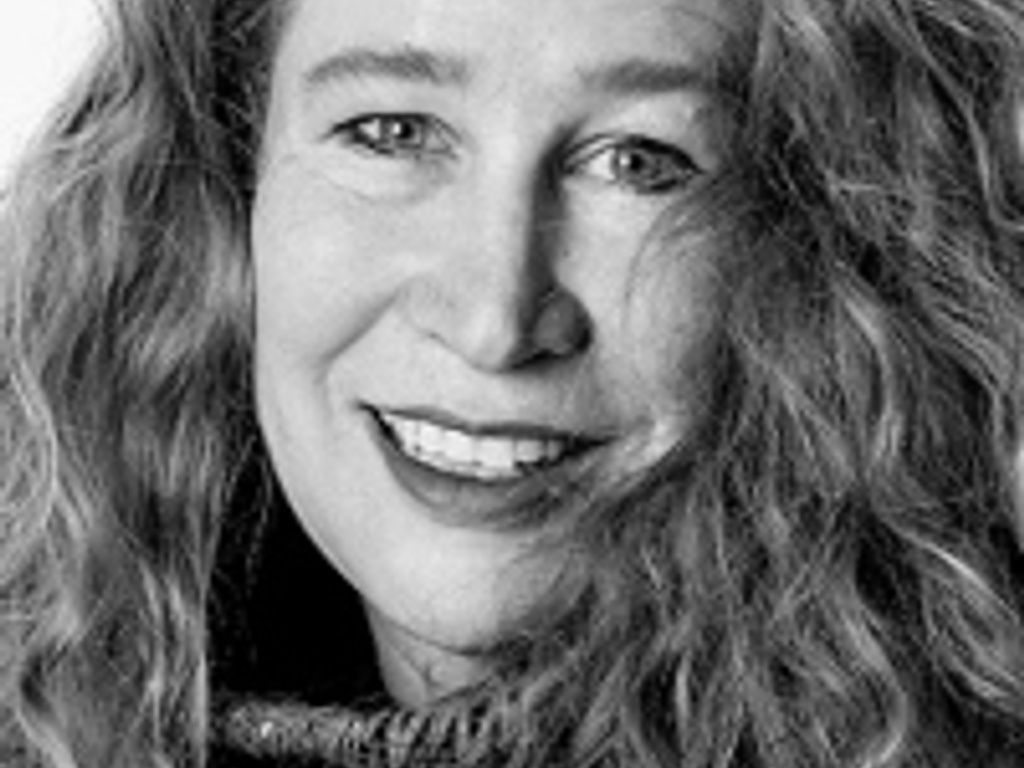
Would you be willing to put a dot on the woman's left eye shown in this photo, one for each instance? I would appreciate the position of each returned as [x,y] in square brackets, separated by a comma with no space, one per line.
[642,165]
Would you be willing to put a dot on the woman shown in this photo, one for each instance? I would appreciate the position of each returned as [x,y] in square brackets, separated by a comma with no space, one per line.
[651,369]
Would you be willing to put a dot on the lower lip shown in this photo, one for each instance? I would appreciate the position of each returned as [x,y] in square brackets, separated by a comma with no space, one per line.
[455,499]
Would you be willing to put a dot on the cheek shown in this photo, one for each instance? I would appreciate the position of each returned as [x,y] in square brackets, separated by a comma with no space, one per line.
[320,265]
[674,322]
[673,332]
[656,315]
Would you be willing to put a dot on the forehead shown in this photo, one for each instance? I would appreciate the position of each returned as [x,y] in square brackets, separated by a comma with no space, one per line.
[512,36]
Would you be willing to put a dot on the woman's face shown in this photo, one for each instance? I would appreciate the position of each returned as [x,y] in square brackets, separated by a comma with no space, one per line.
[454,300]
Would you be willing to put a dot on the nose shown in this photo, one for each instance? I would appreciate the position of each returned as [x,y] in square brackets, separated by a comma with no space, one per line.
[494,297]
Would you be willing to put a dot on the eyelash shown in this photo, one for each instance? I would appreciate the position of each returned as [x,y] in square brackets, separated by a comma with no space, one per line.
[664,169]
[672,168]
[357,133]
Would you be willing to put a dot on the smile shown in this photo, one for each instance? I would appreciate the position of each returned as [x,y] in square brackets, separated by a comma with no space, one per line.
[499,454]
[460,471]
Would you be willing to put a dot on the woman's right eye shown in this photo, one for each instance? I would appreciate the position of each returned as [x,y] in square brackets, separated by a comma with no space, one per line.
[395,136]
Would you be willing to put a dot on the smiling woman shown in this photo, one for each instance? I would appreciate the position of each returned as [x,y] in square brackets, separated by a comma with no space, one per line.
[519,325]
[576,382]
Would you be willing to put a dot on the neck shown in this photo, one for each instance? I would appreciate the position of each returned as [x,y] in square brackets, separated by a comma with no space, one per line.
[415,671]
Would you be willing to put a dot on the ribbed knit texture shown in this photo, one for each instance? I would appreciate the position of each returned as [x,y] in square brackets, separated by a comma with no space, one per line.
[346,738]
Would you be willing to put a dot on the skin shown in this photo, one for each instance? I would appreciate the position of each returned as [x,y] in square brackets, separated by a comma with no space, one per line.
[482,251]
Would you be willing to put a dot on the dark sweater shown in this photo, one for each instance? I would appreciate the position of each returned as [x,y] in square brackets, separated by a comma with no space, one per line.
[286,627]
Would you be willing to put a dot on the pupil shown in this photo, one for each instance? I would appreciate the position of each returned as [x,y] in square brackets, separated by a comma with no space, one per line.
[403,132]
[633,163]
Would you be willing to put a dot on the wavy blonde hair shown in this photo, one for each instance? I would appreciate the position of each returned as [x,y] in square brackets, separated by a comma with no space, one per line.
[122,386]
[830,574]
[827,574]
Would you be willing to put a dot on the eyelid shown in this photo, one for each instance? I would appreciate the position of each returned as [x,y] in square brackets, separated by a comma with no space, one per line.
[349,130]
[599,145]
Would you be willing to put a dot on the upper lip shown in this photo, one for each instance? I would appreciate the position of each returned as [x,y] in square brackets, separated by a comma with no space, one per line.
[506,428]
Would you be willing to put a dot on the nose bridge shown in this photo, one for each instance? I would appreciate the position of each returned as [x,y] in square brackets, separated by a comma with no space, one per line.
[487,285]
[504,265]
[513,238]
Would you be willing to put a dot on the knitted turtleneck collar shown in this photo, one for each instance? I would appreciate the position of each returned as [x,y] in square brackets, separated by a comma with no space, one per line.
[387,737]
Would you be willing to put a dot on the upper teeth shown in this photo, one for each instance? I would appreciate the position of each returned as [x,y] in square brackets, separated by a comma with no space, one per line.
[483,457]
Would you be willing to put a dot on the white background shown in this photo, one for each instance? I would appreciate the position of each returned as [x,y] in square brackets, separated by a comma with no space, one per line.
[42,43]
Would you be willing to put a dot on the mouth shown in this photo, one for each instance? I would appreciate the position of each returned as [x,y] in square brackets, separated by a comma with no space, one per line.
[451,464]
[495,453]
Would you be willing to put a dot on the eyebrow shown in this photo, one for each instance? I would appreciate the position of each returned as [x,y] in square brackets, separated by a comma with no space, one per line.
[420,66]
[405,64]
[647,76]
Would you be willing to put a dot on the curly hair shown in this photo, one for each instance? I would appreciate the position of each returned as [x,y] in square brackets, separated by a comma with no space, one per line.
[828,573]
[831,575]
[122,386]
